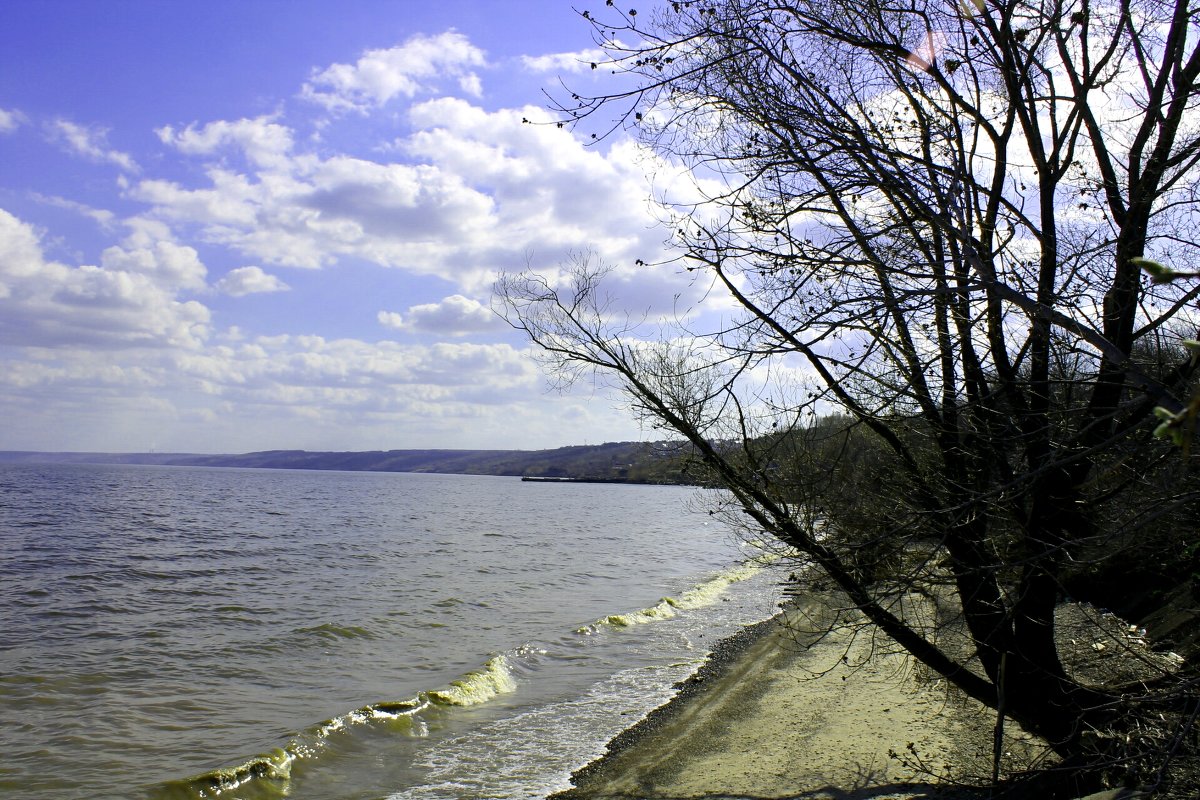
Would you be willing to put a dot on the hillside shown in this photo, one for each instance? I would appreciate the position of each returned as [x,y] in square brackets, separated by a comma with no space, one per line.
[636,462]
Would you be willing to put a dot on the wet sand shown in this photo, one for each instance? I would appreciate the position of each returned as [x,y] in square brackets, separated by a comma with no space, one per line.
[781,711]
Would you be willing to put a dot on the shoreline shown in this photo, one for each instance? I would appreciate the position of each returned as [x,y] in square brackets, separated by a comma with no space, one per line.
[724,657]
[785,709]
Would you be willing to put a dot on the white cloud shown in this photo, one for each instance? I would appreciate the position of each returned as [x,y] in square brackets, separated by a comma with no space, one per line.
[471,84]
[412,216]
[343,378]
[169,264]
[20,252]
[235,393]
[249,280]
[10,120]
[263,141]
[404,70]
[129,301]
[97,353]
[90,143]
[233,201]
[391,319]
[578,61]
[476,192]
[453,316]
[150,250]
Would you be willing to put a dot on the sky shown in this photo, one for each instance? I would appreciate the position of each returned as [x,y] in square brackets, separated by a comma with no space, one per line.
[244,225]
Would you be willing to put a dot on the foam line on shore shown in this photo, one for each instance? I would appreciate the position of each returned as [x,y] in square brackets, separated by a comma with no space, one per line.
[725,655]
[698,596]
[788,708]
[271,772]
[269,775]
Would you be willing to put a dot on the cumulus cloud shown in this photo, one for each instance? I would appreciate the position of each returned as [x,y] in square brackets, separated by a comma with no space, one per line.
[391,319]
[340,378]
[90,143]
[169,264]
[250,280]
[249,394]
[119,354]
[471,192]
[232,202]
[411,216]
[453,316]
[263,141]
[20,250]
[118,346]
[416,66]
[130,300]
[10,120]
[149,249]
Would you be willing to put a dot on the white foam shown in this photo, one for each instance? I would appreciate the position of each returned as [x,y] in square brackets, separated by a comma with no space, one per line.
[479,686]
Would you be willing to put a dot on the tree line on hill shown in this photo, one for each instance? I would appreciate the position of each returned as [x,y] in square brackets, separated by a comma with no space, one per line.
[632,462]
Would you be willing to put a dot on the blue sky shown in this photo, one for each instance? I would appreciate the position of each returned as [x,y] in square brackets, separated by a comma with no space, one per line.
[232,226]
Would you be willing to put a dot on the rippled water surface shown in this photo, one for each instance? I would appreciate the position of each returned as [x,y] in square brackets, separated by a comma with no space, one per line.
[186,632]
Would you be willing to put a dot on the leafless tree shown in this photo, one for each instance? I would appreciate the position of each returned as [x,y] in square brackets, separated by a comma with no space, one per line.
[935,219]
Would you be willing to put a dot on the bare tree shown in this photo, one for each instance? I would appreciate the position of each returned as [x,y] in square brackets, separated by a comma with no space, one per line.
[933,217]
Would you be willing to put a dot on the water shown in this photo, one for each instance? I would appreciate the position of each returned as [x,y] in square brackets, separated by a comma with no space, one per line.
[188,632]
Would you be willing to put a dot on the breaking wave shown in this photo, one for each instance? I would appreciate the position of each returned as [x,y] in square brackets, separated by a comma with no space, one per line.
[270,773]
[698,596]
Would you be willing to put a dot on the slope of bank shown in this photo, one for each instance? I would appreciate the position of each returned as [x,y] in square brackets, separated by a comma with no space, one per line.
[784,712]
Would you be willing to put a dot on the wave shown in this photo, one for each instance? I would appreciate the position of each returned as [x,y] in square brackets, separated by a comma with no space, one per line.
[272,771]
[700,595]
[268,775]
[330,631]
[477,687]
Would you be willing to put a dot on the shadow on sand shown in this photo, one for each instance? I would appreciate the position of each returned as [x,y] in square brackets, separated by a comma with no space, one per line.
[907,791]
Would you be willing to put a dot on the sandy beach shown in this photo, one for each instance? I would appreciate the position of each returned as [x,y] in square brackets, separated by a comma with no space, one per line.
[783,712]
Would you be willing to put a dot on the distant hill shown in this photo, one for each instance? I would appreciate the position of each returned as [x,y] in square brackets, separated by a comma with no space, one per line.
[635,462]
